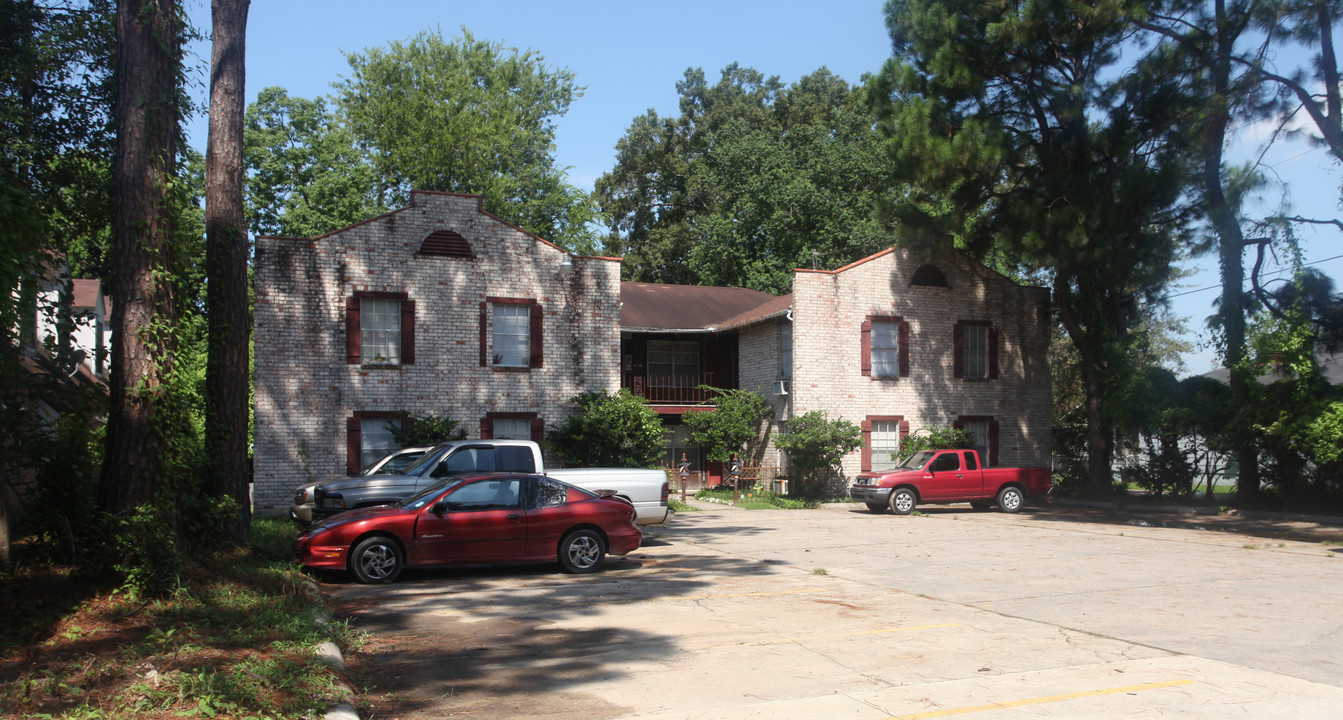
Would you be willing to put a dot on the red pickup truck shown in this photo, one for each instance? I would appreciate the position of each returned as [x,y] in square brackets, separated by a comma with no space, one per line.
[948,476]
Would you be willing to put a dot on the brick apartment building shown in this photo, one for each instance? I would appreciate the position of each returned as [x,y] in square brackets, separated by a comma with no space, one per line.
[442,308]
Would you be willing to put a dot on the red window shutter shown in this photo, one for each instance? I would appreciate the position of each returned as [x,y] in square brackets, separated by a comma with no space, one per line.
[487,428]
[538,429]
[866,425]
[904,429]
[407,332]
[904,348]
[352,330]
[993,442]
[538,357]
[993,354]
[353,445]
[867,347]
[484,346]
[957,352]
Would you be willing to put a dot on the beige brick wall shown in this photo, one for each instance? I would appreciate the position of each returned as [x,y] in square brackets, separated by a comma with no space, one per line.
[304,388]
[830,307]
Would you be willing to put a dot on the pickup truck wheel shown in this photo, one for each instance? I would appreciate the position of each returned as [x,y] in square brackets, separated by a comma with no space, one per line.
[1010,499]
[903,501]
[376,560]
[582,551]
[877,508]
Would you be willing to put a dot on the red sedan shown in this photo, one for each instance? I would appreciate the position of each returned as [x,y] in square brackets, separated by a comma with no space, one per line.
[475,519]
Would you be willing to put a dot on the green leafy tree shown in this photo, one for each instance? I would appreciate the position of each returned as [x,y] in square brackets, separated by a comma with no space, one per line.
[305,176]
[934,439]
[468,116]
[815,445]
[1237,57]
[1022,135]
[734,425]
[751,180]
[616,430]
[426,430]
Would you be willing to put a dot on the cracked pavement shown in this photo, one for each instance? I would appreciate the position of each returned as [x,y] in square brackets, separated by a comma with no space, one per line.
[840,613]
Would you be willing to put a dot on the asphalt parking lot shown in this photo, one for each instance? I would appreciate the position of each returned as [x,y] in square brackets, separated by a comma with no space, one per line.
[839,613]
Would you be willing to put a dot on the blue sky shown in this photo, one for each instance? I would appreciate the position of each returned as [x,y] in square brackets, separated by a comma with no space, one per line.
[630,55]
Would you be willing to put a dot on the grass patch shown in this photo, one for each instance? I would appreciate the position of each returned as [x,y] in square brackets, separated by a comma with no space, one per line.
[754,498]
[235,639]
[680,507]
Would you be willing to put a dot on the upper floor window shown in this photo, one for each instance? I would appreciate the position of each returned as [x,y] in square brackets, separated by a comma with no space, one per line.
[885,346]
[786,351]
[673,363]
[976,350]
[510,333]
[380,328]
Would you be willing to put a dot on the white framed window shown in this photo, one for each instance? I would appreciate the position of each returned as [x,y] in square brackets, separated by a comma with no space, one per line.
[512,335]
[380,330]
[885,443]
[375,440]
[673,363]
[975,351]
[885,348]
[786,351]
[512,429]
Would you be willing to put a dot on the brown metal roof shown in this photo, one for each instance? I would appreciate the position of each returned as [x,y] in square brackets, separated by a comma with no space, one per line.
[648,306]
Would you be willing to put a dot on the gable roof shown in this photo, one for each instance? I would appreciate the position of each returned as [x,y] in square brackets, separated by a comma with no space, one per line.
[650,307]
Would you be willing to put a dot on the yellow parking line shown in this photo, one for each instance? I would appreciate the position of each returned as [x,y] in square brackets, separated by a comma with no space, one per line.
[1042,700]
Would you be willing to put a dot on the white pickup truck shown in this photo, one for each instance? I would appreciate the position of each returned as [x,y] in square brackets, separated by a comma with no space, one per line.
[646,490]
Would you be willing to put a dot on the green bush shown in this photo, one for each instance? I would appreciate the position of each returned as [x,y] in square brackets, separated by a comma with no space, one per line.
[935,439]
[733,426]
[426,430]
[815,445]
[617,430]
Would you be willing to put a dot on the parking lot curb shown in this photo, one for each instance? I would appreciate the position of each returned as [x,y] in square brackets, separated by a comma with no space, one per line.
[329,654]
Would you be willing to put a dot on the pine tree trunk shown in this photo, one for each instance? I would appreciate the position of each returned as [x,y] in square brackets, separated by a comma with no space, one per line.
[226,266]
[1231,249]
[146,117]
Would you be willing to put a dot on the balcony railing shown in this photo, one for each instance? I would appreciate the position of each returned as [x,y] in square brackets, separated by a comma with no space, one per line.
[678,390]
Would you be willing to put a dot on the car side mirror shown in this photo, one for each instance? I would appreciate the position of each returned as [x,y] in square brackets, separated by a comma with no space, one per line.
[439,507]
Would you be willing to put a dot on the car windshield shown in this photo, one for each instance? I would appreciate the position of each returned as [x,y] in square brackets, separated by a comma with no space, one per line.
[422,498]
[917,460]
[418,467]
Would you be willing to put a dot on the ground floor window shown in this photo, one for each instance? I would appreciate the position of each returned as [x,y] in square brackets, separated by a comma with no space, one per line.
[882,435]
[984,430]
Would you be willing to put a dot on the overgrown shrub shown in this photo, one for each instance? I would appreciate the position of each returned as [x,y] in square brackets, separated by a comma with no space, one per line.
[733,426]
[815,445]
[616,430]
[426,430]
[933,438]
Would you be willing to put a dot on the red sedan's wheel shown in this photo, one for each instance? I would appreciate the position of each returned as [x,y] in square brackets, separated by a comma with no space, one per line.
[582,551]
[376,560]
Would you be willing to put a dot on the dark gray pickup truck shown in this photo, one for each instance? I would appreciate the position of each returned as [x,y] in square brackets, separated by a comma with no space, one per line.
[320,500]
